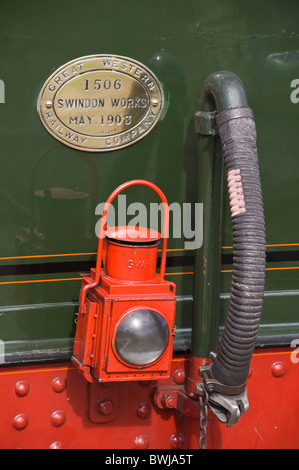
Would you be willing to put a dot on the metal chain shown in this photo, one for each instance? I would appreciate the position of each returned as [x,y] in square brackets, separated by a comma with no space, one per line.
[203,421]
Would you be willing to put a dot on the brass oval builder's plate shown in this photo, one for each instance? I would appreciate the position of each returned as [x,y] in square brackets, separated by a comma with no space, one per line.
[100,102]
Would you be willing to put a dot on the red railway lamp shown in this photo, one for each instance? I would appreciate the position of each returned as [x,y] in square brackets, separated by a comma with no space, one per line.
[125,323]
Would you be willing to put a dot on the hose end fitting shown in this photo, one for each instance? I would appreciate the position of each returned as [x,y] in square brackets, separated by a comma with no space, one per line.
[228,402]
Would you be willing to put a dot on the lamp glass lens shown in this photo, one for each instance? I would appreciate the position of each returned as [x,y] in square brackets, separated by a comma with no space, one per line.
[142,337]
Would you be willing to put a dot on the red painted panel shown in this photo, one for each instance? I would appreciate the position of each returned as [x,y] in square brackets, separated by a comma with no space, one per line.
[52,406]
[272,419]
[52,413]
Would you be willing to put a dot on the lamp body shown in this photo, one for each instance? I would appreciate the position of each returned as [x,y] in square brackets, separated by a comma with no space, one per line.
[126,315]
[107,306]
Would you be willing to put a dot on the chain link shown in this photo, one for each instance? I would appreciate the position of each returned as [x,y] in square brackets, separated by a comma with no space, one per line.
[203,421]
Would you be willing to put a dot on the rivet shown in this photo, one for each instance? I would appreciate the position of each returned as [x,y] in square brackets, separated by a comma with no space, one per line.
[278,369]
[176,441]
[48,104]
[179,376]
[141,441]
[22,388]
[20,422]
[104,406]
[143,410]
[57,445]
[59,384]
[155,102]
[57,418]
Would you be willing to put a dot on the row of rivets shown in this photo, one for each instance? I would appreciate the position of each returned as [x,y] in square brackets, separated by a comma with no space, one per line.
[20,421]
[175,441]
[278,369]
[22,387]
[141,442]
[105,406]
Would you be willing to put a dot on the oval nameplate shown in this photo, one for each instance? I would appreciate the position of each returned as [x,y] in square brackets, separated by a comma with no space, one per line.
[101,102]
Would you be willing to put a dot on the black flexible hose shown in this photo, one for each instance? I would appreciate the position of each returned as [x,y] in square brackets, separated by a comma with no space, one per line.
[237,132]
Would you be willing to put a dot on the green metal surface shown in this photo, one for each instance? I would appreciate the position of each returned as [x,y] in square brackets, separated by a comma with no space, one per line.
[45,245]
[207,276]
[221,91]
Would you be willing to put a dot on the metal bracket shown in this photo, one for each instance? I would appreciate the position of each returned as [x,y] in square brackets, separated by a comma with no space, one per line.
[213,385]
[205,123]
[227,402]
[175,397]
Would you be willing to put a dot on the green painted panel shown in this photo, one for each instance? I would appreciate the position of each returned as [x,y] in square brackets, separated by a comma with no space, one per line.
[182,43]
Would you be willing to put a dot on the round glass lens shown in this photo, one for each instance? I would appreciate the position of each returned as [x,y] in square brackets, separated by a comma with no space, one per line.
[141,337]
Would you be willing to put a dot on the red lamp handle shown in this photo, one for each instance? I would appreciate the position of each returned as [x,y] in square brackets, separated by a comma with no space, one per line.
[103,225]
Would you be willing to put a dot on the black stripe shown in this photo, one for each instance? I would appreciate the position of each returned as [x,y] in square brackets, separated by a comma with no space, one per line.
[271,257]
[76,266]
[46,268]
[85,266]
